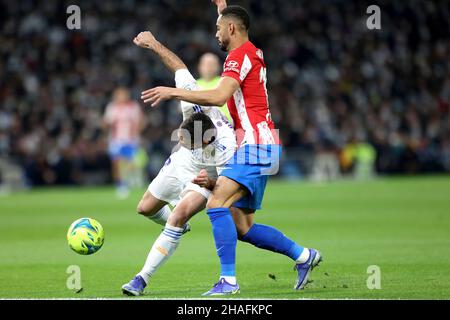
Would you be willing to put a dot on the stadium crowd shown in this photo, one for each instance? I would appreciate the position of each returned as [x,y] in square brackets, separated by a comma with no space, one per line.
[337,89]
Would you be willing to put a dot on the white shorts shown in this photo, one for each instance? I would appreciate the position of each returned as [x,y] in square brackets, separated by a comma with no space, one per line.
[174,179]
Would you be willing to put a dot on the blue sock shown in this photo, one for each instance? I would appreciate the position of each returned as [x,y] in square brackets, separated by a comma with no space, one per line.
[269,238]
[225,236]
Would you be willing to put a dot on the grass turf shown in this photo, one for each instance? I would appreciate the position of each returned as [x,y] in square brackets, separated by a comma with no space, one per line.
[401,225]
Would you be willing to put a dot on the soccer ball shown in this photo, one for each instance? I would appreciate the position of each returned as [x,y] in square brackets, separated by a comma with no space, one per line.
[85,236]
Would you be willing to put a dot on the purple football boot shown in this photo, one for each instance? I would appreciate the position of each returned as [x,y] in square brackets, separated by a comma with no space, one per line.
[304,269]
[135,287]
[222,288]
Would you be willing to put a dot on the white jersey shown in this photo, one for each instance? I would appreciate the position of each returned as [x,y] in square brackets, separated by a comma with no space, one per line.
[222,149]
[174,179]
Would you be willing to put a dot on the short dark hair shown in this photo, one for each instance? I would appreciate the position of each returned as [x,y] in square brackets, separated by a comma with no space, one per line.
[193,130]
[238,13]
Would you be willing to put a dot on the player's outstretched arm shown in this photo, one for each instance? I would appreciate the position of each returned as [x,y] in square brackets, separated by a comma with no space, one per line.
[204,181]
[215,97]
[221,4]
[148,41]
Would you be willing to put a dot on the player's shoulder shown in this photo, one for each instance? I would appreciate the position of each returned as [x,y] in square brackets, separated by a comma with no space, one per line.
[248,53]
[255,52]
[248,50]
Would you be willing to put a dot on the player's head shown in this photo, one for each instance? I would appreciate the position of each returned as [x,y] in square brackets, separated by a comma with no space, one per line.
[121,95]
[209,66]
[197,131]
[233,22]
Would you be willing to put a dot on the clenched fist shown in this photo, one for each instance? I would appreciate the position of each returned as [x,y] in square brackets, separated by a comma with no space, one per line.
[145,40]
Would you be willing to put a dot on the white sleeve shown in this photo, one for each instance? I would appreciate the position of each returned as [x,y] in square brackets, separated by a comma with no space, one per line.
[185,80]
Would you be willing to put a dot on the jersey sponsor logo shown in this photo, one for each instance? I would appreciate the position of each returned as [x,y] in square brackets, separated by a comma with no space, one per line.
[231,66]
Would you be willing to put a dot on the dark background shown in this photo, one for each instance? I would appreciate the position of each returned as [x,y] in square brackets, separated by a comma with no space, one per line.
[332,82]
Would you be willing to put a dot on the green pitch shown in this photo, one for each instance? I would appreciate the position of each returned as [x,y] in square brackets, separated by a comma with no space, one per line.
[400,225]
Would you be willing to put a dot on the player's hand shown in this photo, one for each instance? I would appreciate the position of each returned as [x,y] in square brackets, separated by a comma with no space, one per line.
[221,4]
[145,40]
[202,179]
[156,95]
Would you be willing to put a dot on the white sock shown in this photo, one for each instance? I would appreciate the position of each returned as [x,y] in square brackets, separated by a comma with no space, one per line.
[161,251]
[304,256]
[161,216]
[229,279]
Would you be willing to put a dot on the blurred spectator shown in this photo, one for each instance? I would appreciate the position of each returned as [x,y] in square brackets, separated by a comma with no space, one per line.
[359,157]
[125,121]
[329,79]
[326,163]
[210,69]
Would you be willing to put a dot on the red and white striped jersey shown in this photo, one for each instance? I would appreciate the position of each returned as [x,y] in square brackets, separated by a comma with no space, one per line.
[124,119]
[249,105]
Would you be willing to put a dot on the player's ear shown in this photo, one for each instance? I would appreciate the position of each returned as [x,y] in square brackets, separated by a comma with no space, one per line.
[182,138]
[231,28]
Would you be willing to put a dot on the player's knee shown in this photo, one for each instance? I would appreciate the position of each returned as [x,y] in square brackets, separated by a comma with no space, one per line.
[214,202]
[242,230]
[240,233]
[178,218]
[141,209]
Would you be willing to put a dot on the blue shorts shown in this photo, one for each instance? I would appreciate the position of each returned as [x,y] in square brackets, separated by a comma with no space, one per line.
[122,150]
[251,166]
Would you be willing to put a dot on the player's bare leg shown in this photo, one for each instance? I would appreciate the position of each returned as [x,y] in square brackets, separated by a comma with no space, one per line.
[167,242]
[153,208]
[115,170]
[122,191]
[192,203]
[225,193]
[243,219]
[149,205]
[121,171]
